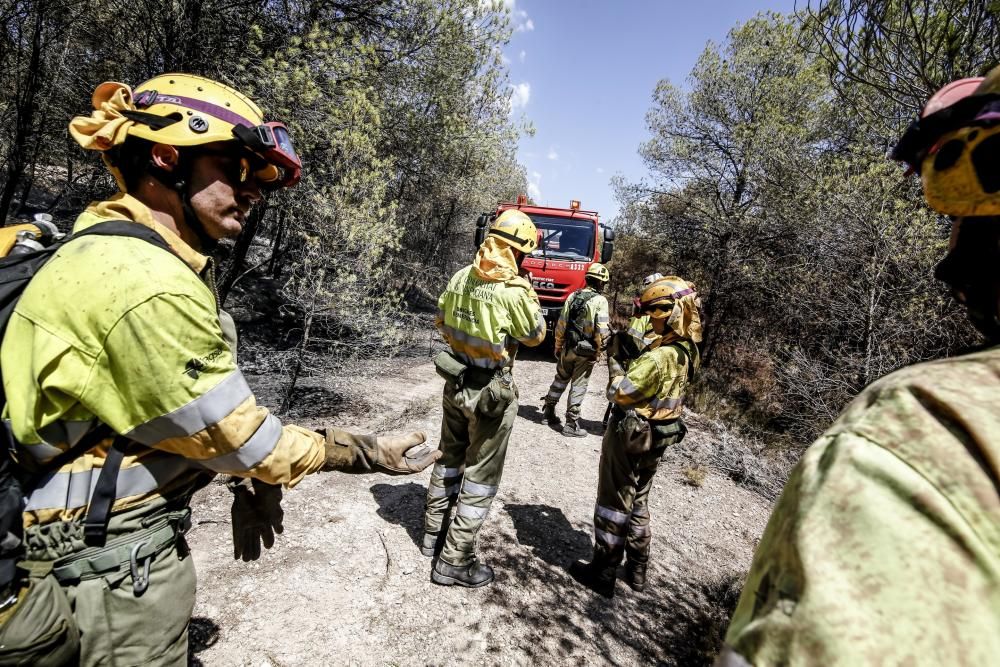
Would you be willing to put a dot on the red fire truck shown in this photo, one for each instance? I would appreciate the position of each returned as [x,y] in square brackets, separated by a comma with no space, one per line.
[571,240]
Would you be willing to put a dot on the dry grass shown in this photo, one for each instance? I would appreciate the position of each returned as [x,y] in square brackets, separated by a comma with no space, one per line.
[744,459]
[695,475]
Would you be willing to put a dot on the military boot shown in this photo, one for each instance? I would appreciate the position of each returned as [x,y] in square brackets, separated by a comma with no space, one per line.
[599,574]
[549,415]
[635,575]
[473,575]
[572,428]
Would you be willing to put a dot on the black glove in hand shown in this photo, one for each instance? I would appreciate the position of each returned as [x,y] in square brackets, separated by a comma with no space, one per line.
[256,515]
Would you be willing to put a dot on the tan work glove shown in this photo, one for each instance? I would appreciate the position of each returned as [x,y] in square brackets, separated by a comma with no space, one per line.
[256,515]
[402,454]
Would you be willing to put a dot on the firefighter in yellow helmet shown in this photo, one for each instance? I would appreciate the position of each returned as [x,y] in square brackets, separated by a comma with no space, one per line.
[581,335]
[885,544]
[629,343]
[486,310]
[649,401]
[129,374]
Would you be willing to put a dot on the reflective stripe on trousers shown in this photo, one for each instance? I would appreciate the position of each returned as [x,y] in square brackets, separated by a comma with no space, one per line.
[479,442]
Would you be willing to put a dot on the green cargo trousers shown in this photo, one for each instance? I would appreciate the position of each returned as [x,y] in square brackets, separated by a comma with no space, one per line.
[573,370]
[475,429]
[621,516]
[120,622]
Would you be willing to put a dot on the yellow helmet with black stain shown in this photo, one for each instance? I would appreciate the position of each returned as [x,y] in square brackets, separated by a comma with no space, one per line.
[516,229]
[955,147]
[599,272]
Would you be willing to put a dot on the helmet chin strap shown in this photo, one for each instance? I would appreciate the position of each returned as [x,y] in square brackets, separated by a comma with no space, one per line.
[191,219]
[178,180]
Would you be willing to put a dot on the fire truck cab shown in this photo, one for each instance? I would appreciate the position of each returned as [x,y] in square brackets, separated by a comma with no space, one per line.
[570,241]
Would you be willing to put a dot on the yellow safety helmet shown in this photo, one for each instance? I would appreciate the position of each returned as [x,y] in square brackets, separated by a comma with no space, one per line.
[185,110]
[955,146]
[599,272]
[516,229]
[675,300]
[658,299]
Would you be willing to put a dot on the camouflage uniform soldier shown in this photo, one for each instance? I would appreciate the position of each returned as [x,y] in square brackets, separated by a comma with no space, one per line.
[485,310]
[647,419]
[884,547]
[581,334]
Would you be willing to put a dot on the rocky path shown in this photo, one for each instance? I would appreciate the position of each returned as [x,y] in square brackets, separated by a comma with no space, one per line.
[346,584]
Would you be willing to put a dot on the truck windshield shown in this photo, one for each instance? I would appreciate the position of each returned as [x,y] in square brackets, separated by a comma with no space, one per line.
[563,238]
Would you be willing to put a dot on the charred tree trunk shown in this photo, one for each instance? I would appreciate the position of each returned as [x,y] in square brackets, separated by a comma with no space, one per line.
[25,109]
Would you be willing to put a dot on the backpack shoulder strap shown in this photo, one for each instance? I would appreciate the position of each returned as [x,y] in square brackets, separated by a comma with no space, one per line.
[124,228]
[580,299]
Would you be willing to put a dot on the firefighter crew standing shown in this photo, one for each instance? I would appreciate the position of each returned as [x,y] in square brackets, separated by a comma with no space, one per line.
[648,400]
[581,334]
[884,547]
[486,309]
[137,345]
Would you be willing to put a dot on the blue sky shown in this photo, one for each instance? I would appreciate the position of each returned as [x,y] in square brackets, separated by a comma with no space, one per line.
[583,73]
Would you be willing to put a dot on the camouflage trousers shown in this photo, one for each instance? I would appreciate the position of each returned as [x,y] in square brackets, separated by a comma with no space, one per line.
[123,621]
[475,429]
[621,516]
[574,371]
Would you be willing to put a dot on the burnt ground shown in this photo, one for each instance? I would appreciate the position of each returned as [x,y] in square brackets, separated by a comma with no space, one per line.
[346,584]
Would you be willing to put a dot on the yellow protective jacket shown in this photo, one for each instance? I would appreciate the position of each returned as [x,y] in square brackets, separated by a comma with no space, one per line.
[118,331]
[655,383]
[487,309]
[592,322]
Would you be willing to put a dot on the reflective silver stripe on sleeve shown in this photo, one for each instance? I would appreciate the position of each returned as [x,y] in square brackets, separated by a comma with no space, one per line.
[470,512]
[253,451]
[602,319]
[641,511]
[626,387]
[558,384]
[72,490]
[614,516]
[608,538]
[537,331]
[208,409]
[613,388]
[666,403]
[442,491]
[638,531]
[474,489]
[445,473]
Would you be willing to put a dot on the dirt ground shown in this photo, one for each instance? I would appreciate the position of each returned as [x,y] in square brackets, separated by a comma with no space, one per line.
[346,584]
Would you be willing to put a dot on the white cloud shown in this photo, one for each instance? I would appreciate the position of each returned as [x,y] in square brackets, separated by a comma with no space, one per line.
[519,17]
[522,55]
[552,155]
[520,96]
[534,186]
[600,170]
